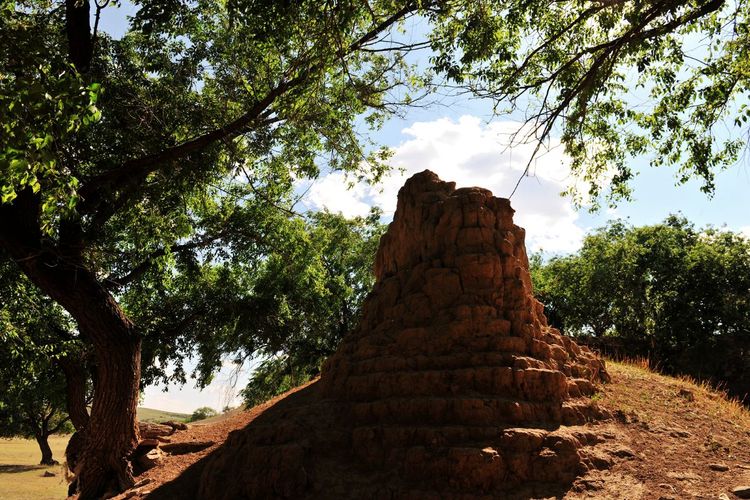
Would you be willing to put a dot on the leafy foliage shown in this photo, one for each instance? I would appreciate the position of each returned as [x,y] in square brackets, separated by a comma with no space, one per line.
[668,291]
[32,401]
[33,392]
[287,294]
[620,78]
[202,413]
[310,300]
[44,104]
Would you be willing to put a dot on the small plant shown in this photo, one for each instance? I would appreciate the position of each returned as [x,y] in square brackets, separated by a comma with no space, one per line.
[714,445]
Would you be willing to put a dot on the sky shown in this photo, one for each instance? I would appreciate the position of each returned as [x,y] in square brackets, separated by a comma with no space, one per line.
[467,149]
[460,142]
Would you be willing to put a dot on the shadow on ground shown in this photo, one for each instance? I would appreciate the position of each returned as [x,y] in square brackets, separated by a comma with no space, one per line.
[330,449]
[12,469]
[186,485]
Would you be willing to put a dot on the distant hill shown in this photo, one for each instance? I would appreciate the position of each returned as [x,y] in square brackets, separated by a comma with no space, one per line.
[220,417]
[151,415]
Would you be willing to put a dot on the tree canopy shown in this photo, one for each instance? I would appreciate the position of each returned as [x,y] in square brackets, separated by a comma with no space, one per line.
[309,296]
[669,292]
[203,413]
[617,79]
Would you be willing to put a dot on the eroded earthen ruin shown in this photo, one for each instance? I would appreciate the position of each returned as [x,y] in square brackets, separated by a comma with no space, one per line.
[452,386]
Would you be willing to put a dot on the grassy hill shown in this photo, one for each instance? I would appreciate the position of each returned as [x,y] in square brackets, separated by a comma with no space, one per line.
[151,415]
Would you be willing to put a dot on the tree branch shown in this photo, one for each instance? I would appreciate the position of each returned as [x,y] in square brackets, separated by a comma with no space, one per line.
[143,267]
[93,192]
[78,31]
[132,171]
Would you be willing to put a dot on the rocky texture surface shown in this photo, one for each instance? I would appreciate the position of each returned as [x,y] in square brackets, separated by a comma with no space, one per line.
[149,454]
[452,386]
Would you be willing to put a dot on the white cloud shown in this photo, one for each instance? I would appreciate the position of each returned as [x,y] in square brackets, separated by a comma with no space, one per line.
[331,192]
[471,153]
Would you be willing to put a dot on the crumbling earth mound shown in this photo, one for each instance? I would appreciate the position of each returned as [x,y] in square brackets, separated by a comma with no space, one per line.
[452,386]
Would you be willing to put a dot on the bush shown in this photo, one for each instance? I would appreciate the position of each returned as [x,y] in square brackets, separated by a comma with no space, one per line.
[202,413]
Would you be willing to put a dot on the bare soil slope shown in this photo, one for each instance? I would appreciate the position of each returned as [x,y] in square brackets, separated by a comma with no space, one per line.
[668,438]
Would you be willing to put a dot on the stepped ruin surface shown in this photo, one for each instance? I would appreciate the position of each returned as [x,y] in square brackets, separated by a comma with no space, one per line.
[452,386]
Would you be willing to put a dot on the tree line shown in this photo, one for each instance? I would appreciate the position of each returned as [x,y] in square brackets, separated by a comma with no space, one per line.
[670,292]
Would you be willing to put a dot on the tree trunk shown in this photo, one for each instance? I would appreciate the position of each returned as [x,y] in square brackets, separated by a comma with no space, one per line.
[61,272]
[75,385]
[47,459]
[74,366]
[112,433]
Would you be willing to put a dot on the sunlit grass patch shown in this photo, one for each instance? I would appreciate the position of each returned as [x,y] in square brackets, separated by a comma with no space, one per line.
[21,476]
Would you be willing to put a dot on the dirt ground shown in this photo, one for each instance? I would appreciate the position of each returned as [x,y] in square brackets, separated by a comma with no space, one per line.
[687,441]
[673,439]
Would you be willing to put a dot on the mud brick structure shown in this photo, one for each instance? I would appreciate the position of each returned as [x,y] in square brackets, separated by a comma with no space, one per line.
[452,386]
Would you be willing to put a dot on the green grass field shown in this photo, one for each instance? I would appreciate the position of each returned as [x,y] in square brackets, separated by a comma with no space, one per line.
[21,476]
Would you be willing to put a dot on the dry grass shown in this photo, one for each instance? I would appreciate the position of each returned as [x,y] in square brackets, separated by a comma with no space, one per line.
[21,476]
[712,399]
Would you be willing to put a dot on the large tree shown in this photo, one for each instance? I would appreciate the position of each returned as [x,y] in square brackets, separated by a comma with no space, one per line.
[32,397]
[120,157]
[35,395]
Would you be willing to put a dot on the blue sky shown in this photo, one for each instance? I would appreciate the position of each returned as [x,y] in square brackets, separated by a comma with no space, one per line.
[462,144]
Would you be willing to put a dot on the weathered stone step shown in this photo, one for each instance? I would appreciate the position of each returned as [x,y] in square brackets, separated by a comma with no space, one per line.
[465,410]
[434,341]
[462,359]
[532,384]
[486,470]
[369,439]
[507,439]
